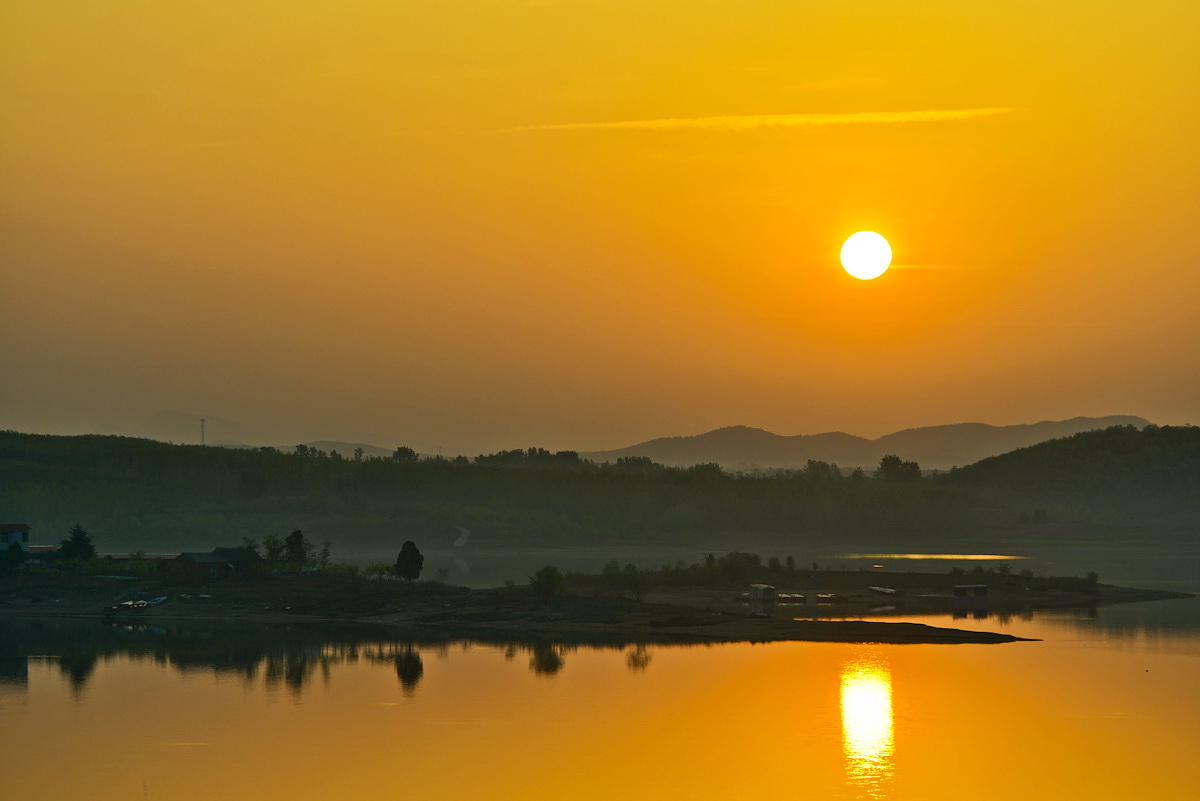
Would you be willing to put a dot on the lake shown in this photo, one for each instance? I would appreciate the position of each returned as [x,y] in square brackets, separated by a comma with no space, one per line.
[1104,706]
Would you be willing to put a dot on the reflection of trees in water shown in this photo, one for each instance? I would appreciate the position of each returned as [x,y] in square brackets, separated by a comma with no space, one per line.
[293,668]
[14,669]
[281,656]
[638,658]
[409,669]
[78,668]
[545,659]
[1155,623]
[288,657]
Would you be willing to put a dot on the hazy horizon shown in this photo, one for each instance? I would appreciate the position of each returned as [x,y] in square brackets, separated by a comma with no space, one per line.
[586,225]
[171,425]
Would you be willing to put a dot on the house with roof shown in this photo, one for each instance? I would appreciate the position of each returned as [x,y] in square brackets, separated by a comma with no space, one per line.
[14,534]
[220,563]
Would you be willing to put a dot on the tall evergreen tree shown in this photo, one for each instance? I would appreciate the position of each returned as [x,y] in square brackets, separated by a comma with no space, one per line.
[77,545]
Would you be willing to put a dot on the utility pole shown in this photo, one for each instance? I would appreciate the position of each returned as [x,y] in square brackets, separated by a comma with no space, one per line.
[201,430]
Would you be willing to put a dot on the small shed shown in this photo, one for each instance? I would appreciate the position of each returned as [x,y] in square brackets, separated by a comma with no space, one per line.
[970,590]
[14,534]
[762,592]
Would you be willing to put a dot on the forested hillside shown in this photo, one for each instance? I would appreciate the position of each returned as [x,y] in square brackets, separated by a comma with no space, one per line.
[1122,463]
[135,493]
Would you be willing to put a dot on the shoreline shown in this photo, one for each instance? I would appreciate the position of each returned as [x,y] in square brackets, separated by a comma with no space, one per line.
[439,612]
[730,629]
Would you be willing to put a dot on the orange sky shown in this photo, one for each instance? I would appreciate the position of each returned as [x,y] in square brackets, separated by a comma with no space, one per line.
[361,217]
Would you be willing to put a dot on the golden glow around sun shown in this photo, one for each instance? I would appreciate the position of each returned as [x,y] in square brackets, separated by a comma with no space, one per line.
[866,255]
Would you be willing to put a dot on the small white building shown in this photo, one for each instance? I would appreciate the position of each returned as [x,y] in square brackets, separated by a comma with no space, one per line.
[14,534]
[762,592]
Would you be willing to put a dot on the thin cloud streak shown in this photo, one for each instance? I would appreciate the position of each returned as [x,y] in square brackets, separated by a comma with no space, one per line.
[756,121]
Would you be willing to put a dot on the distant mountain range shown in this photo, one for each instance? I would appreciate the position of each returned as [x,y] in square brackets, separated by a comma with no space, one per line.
[733,447]
[933,447]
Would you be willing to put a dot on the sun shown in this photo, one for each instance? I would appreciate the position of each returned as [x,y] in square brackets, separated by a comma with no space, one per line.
[866,255]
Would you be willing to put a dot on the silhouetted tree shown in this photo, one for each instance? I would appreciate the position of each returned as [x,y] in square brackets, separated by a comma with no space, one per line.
[547,582]
[409,562]
[77,546]
[273,549]
[404,454]
[736,566]
[893,468]
[296,549]
[816,470]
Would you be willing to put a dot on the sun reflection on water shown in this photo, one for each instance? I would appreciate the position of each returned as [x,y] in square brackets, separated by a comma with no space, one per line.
[867,736]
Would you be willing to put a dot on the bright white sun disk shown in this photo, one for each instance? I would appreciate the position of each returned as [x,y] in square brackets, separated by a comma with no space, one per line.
[866,255]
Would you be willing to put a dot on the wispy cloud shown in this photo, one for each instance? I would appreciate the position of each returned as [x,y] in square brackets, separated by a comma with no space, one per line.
[755,121]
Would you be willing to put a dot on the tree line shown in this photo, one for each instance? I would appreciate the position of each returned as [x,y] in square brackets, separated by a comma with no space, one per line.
[164,495]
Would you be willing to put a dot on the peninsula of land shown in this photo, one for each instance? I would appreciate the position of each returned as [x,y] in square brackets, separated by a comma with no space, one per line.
[432,610]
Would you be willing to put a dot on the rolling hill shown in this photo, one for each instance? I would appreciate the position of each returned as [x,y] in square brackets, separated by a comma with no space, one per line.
[933,447]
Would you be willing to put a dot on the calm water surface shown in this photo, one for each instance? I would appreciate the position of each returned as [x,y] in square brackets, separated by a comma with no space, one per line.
[1105,706]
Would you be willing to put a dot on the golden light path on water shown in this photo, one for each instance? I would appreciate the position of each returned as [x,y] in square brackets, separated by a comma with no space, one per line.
[867,732]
